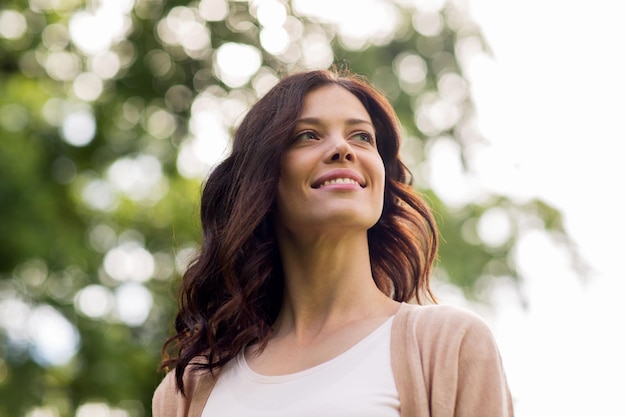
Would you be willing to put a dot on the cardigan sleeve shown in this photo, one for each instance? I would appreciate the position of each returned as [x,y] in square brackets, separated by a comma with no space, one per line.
[467,377]
[168,401]
[165,400]
[446,364]
[482,389]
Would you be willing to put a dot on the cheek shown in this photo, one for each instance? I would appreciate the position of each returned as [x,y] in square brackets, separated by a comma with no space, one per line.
[382,179]
[379,169]
[288,193]
[289,164]
[282,196]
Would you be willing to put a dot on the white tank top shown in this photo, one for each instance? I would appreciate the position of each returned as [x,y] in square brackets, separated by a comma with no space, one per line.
[358,382]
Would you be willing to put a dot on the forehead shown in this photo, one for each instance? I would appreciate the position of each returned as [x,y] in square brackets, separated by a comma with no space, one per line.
[333,102]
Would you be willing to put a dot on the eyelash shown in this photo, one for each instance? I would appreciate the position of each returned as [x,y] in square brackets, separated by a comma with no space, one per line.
[369,138]
[305,132]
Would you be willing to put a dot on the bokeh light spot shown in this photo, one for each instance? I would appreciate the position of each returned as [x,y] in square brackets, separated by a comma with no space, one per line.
[95,301]
[43,412]
[213,10]
[102,237]
[411,71]
[79,128]
[453,87]
[62,66]
[14,314]
[87,86]
[428,24]
[274,40]
[161,124]
[55,37]
[425,5]
[209,141]
[133,302]
[33,272]
[12,24]
[159,62]
[316,51]
[357,21]
[54,339]
[184,257]
[186,27]
[434,115]
[235,63]
[99,195]
[140,178]
[164,266]
[106,64]
[96,409]
[53,111]
[129,262]
[95,31]
[494,227]
[270,13]
[264,80]
[179,98]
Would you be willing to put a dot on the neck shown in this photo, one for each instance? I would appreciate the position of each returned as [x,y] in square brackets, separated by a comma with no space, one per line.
[328,283]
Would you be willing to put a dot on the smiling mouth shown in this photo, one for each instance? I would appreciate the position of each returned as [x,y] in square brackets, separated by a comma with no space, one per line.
[338,181]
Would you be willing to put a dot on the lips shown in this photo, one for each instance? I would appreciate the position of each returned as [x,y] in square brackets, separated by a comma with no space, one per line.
[339,176]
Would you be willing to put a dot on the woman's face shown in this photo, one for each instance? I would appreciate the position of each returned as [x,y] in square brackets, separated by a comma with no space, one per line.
[332,175]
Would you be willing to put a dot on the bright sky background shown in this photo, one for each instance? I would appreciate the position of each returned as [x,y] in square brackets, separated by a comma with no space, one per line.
[551,101]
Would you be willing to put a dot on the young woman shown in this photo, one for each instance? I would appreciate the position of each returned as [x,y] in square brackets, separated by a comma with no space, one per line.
[315,244]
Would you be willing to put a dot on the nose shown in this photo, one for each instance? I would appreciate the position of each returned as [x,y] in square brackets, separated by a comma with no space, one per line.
[341,151]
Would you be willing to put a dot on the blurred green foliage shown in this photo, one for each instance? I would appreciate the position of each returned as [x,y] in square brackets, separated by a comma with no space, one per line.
[103,149]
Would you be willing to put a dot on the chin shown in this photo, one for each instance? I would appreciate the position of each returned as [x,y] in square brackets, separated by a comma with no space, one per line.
[348,219]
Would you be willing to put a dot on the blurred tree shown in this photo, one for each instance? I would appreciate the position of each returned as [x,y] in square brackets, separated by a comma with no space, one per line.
[111,113]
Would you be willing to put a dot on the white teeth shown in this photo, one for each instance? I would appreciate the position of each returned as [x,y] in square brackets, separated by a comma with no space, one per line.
[340,181]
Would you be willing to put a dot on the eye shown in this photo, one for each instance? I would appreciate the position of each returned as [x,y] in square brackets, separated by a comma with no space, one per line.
[305,135]
[364,137]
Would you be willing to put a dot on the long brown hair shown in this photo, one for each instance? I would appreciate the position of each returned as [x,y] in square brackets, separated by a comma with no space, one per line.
[232,292]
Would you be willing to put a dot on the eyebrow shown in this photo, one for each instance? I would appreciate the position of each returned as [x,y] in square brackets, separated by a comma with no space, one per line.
[318,122]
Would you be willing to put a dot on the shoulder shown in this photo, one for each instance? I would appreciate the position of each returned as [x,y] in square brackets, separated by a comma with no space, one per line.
[439,316]
[166,396]
[169,401]
[449,355]
[440,324]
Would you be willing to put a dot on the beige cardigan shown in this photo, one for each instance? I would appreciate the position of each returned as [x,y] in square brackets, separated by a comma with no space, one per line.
[445,363]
